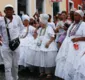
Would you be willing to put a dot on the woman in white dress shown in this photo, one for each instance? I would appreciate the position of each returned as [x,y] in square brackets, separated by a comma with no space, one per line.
[26,37]
[45,50]
[69,54]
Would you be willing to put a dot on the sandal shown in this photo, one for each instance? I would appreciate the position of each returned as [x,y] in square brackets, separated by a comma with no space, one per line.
[49,76]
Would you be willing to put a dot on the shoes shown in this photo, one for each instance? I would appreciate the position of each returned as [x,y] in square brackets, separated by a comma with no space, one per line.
[49,76]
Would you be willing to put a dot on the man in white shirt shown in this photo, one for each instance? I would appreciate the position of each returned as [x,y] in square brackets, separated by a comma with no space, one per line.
[10,57]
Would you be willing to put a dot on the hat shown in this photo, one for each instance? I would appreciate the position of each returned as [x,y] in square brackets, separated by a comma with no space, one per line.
[8,5]
[80,12]
[44,18]
[25,17]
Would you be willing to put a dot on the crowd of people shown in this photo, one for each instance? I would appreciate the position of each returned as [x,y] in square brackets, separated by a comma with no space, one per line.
[55,47]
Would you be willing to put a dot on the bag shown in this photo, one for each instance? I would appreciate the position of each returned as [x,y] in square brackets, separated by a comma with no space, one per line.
[13,44]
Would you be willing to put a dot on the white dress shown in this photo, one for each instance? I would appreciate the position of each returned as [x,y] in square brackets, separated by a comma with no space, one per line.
[41,56]
[1,59]
[68,58]
[24,45]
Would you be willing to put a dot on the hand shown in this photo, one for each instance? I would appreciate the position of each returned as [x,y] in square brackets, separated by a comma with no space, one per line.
[47,45]
[75,40]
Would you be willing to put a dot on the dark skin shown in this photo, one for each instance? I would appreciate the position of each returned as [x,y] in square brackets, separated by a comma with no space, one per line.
[9,13]
[77,19]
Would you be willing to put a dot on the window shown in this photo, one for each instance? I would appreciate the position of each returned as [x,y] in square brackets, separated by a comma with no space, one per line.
[39,5]
[55,8]
[21,6]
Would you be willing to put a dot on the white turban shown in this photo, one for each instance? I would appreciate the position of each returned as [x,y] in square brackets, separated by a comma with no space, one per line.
[44,18]
[80,12]
[25,17]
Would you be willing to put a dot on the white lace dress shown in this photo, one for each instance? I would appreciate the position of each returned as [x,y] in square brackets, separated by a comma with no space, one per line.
[68,58]
[42,56]
[25,43]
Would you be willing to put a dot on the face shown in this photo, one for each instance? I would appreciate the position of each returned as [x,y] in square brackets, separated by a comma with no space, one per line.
[64,16]
[9,11]
[25,23]
[77,17]
[42,25]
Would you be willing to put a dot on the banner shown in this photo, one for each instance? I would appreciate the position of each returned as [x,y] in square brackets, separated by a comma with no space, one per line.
[56,0]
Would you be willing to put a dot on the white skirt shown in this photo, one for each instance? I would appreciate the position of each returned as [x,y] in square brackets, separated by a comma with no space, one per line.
[41,59]
[1,59]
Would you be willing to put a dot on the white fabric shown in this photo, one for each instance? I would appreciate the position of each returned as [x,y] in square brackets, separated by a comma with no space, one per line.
[44,18]
[80,12]
[52,25]
[15,28]
[41,56]
[25,17]
[1,59]
[25,43]
[68,58]
[10,59]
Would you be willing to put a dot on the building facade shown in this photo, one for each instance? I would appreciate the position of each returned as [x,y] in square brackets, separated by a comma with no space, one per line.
[73,4]
[32,6]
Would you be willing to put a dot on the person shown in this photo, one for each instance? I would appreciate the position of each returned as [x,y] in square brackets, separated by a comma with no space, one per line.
[62,37]
[15,27]
[59,27]
[26,40]
[70,52]
[45,49]
[50,23]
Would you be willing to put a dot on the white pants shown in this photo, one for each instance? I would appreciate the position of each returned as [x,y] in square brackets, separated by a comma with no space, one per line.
[10,59]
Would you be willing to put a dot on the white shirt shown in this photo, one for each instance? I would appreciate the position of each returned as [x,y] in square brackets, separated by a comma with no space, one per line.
[15,27]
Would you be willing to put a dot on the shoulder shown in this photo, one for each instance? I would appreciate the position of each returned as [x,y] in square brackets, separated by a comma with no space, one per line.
[17,17]
[1,19]
[31,27]
[83,23]
[50,29]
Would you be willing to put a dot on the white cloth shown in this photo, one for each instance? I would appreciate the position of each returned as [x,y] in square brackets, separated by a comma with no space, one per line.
[68,58]
[52,25]
[1,59]
[41,56]
[25,43]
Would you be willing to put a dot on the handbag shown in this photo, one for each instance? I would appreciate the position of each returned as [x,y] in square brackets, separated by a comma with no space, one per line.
[13,44]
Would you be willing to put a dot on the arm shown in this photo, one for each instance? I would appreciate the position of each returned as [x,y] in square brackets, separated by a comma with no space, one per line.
[78,39]
[49,42]
[51,34]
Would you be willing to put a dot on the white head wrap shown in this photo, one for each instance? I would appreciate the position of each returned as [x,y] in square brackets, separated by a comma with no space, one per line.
[8,5]
[25,17]
[44,18]
[80,12]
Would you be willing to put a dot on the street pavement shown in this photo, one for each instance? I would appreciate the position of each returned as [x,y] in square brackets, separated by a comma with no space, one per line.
[25,75]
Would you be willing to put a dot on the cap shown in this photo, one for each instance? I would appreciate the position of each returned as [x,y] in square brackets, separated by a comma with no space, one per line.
[8,5]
